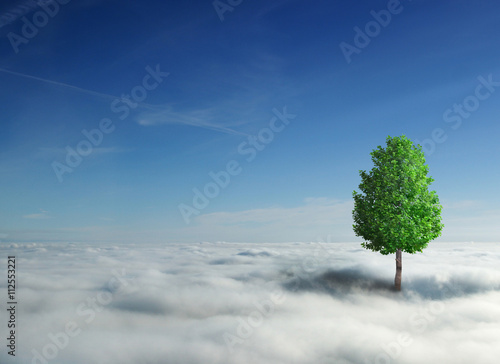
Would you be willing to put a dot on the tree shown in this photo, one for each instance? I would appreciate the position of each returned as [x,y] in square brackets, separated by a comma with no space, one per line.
[395,211]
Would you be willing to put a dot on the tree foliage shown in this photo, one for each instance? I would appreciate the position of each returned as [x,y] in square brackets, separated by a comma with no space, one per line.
[395,209]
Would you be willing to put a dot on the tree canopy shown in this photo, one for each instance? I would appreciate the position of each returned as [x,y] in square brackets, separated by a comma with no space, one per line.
[395,209]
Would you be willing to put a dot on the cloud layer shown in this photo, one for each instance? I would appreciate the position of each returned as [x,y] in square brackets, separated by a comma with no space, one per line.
[258,303]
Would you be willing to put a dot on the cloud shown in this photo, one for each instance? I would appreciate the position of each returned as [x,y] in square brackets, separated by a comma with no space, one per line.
[267,303]
[315,216]
[464,205]
[202,118]
[61,84]
[41,215]
[315,211]
[74,88]
[470,221]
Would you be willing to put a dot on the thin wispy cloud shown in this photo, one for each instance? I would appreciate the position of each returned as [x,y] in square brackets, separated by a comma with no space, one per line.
[464,205]
[37,216]
[315,211]
[158,115]
[197,118]
[301,222]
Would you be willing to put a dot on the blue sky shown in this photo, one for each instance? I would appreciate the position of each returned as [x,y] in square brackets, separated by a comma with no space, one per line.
[431,72]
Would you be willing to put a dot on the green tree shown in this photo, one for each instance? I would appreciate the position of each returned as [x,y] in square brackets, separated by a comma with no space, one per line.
[395,211]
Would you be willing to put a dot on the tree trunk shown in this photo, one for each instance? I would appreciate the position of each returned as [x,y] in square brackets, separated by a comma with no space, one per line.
[399,269]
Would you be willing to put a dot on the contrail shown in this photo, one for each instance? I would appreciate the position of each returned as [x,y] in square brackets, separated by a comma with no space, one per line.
[75,88]
[111,97]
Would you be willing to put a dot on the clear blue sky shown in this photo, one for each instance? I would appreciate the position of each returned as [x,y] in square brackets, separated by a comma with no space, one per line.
[432,70]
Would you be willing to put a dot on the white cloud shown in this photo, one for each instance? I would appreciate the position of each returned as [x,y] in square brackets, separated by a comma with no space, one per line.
[464,205]
[315,211]
[279,303]
[316,216]
[470,220]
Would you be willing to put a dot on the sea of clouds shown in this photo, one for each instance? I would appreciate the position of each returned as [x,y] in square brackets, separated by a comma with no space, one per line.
[252,303]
